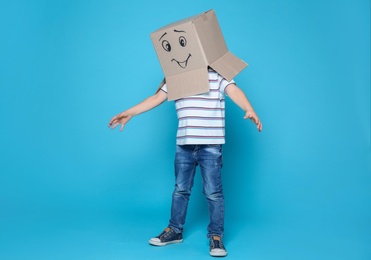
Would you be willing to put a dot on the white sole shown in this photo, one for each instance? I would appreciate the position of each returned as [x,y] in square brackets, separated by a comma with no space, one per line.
[218,252]
[157,242]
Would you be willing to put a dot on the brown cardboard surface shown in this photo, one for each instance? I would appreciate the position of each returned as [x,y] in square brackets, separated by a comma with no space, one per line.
[187,84]
[187,48]
[228,65]
[210,35]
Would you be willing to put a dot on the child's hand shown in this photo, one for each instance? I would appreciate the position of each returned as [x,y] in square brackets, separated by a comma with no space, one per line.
[253,117]
[121,118]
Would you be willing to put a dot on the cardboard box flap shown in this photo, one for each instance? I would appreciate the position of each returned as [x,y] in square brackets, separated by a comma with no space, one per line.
[187,84]
[228,65]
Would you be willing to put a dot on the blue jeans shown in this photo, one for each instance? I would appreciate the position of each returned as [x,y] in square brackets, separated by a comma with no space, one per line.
[209,157]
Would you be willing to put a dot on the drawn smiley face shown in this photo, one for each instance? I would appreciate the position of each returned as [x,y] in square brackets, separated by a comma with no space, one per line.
[169,47]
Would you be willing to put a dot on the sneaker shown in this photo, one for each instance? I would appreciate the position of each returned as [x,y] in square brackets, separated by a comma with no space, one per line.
[168,236]
[216,246]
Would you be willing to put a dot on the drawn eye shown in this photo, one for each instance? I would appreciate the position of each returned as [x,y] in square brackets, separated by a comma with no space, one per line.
[166,45]
[182,41]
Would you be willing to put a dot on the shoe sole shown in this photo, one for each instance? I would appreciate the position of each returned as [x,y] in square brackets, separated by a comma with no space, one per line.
[218,253]
[157,243]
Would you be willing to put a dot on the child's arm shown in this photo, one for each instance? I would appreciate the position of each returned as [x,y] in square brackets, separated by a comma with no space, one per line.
[238,97]
[147,104]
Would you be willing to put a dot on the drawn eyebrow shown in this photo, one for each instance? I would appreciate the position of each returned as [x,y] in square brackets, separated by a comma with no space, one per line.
[179,31]
[162,36]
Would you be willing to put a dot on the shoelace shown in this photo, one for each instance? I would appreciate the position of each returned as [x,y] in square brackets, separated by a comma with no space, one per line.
[215,243]
[168,233]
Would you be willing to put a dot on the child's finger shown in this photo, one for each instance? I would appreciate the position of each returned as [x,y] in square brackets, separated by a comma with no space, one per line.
[112,120]
[254,119]
[260,126]
[114,125]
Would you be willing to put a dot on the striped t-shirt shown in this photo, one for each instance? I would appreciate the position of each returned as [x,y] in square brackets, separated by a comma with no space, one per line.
[201,117]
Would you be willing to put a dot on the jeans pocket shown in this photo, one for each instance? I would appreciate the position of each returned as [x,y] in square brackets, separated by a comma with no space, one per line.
[215,148]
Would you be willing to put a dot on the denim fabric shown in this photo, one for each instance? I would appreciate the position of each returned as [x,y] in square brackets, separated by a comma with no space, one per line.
[209,158]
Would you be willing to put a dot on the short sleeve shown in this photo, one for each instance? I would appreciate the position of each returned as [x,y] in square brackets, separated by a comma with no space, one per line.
[164,88]
[224,83]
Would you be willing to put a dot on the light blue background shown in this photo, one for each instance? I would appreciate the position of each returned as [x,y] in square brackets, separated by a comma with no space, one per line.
[70,188]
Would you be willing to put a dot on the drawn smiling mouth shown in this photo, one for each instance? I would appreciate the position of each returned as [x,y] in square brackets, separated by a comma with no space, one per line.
[183,64]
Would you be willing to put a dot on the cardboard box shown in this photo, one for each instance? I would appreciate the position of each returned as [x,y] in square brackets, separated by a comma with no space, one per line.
[187,48]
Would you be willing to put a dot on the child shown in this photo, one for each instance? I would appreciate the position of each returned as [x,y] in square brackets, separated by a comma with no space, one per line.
[200,137]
